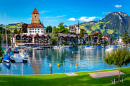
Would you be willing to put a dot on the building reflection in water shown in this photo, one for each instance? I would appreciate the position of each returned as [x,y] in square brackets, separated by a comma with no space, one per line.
[36,67]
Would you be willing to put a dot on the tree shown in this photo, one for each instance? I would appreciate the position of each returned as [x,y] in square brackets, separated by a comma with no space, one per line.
[125,37]
[61,28]
[54,35]
[118,57]
[63,42]
[1,49]
[81,33]
[49,29]
[15,31]
[111,39]
[66,30]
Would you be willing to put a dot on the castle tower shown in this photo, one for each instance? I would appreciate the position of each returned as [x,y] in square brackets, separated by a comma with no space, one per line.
[35,27]
[77,27]
[35,16]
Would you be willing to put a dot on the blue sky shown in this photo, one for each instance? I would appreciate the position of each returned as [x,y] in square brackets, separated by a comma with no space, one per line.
[52,12]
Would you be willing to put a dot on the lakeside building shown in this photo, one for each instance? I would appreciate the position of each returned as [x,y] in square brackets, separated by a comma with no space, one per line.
[35,33]
[36,36]
[36,27]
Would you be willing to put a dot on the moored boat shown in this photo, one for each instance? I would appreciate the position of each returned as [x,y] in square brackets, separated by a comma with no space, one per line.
[88,48]
[6,58]
[16,50]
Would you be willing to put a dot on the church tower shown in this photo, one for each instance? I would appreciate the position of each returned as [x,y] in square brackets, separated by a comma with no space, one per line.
[36,27]
[35,16]
[77,27]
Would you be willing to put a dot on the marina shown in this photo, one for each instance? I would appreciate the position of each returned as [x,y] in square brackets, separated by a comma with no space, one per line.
[75,60]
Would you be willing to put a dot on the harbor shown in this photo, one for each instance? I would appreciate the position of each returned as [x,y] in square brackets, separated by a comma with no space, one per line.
[75,60]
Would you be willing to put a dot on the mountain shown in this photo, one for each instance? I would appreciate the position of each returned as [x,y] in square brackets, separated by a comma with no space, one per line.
[14,26]
[113,24]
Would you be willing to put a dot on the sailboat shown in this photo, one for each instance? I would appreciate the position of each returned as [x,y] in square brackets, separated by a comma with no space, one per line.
[6,57]
[56,47]
[110,48]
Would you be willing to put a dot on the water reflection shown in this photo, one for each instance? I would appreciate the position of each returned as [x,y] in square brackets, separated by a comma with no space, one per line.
[39,61]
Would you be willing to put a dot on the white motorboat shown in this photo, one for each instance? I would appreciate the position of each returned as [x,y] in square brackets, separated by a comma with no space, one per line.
[56,47]
[88,48]
[110,49]
[24,55]
[18,58]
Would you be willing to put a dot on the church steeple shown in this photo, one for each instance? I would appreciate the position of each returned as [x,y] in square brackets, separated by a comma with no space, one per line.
[77,22]
[77,27]
[35,11]
[35,16]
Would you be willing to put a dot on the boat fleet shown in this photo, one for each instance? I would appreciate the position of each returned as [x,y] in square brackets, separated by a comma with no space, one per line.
[88,47]
[15,56]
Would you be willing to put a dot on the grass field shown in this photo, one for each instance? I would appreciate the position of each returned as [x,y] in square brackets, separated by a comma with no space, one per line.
[82,79]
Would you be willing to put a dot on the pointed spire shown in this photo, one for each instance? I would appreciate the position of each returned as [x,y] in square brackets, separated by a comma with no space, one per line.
[77,22]
[35,11]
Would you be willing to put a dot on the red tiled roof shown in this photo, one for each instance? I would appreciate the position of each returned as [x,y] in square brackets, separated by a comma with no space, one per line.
[4,36]
[35,25]
[35,11]
[107,36]
[96,34]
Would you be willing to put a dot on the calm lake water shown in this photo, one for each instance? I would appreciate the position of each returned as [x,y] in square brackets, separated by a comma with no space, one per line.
[39,62]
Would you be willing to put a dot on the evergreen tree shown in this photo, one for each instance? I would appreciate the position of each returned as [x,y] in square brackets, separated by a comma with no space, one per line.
[49,29]
[125,37]
[118,57]
[81,33]
[1,49]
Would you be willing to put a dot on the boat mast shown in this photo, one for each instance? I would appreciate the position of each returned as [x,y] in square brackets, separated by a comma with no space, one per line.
[21,33]
[6,31]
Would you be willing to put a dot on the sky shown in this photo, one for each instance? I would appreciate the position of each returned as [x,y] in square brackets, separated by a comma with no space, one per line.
[53,12]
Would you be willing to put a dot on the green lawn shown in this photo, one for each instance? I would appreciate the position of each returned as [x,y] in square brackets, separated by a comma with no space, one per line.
[82,79]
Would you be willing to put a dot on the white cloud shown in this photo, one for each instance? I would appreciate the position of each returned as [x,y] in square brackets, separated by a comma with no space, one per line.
[118,6]
[72,19]
[84,19]
[87,19]
[43,12]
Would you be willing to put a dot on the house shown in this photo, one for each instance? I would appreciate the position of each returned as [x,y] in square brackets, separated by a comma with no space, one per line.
[36,26]
[72,29]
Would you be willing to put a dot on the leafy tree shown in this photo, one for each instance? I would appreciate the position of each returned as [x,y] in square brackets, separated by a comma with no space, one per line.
[100,35]
[64,43]
[125,37]
[53,42]
[61,28]
[111,39]
[81,33]
[66,30]
[118,57]
[49,29]
[54,35]
[16,31]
